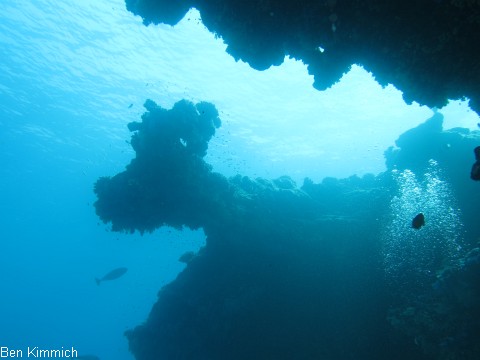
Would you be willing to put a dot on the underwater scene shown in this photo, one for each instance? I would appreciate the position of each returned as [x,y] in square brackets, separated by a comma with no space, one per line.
[215,180]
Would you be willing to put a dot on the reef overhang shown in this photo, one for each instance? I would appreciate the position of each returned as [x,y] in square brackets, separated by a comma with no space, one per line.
[427,49]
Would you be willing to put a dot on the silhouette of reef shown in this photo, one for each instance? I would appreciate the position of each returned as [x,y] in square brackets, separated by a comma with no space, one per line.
[428,49]
[298,272]
[289,272]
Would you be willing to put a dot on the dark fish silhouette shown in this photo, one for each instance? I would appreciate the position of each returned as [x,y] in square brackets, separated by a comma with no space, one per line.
[112,275]
[418,221]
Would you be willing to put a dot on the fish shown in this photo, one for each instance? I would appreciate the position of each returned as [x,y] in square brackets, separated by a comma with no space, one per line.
[418,221]
[112,275]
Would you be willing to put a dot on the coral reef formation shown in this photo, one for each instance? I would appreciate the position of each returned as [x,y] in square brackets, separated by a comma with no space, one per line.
[427,49]
[288,271]
[321,270]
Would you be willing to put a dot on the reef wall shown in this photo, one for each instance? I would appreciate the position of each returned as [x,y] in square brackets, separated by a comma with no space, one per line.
[427,49]
[287,271]
[318,271]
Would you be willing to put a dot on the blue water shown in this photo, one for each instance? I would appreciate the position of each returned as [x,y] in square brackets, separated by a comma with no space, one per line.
[72,75]
[64,97]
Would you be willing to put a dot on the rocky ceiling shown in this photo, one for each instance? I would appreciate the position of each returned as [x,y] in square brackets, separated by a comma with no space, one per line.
[429,49]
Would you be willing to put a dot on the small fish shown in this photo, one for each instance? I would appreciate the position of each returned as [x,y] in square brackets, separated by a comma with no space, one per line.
[112,275]
[418,221]
[130,106]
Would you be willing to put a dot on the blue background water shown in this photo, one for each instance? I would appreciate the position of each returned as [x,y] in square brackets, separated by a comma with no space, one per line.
[69,72]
